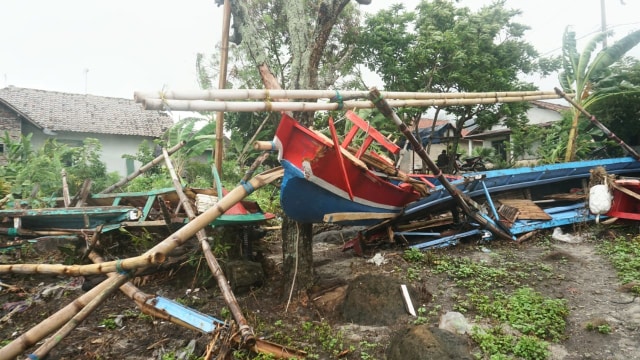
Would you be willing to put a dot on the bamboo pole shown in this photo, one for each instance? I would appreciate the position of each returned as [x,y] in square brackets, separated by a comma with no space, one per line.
[157,254]
[267,94]
[247,335]
[142,169]
[386,110]
[599,125]
[201,105]
[65,189]
[55,321]
[222,83]
[56,338]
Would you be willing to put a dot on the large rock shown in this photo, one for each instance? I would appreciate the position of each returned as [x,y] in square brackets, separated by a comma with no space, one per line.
[424,343]
[244,275]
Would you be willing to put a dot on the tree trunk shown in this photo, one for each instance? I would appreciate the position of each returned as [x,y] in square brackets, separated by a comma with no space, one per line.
[297,253]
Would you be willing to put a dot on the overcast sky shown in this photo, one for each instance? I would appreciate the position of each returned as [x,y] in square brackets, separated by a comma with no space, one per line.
[116,47]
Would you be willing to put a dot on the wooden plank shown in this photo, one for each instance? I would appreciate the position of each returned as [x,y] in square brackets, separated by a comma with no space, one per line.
[527,208]
[348,216]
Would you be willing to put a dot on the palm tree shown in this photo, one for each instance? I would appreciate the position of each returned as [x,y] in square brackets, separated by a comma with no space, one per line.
[579,70]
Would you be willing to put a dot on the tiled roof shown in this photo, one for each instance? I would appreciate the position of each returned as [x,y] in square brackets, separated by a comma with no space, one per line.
[59,111]
[549,106]
[427,123]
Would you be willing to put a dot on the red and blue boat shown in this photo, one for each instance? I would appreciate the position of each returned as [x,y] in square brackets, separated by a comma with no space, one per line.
[326,180]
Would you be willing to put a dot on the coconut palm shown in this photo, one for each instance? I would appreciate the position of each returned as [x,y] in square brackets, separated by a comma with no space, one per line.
[580,70]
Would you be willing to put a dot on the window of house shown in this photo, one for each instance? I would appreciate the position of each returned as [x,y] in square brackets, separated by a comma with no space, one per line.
[130,166]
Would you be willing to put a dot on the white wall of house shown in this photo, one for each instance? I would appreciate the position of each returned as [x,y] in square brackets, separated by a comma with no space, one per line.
[113,146]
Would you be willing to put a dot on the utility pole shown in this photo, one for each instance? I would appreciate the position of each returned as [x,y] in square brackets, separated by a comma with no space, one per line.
[603,21]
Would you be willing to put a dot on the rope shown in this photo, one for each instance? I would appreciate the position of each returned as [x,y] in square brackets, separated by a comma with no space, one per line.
[295,269]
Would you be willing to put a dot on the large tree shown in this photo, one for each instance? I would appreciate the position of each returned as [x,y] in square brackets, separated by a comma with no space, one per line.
[444,48]
[297,44]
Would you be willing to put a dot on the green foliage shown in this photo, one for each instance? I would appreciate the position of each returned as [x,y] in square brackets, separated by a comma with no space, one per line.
[602,328]
[530,313]
[108,323]
[495,292]
[498,345]
[28,170]
[413,255]
[624,254]
[444,48]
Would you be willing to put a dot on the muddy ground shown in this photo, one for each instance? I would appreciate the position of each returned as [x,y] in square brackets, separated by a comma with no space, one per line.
[315,322]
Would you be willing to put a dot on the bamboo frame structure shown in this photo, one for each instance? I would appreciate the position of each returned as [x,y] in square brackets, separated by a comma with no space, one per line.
[157,254]
[267,94]
[119,272]
[248,106]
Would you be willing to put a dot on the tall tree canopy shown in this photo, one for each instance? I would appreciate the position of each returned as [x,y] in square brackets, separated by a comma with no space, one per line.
[297,44]
[444,48]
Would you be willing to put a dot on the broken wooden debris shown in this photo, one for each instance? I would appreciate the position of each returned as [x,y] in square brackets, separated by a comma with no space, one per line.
[407,300]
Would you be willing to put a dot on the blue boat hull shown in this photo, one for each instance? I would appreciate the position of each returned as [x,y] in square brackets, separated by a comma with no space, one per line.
[497,181]
[308,202]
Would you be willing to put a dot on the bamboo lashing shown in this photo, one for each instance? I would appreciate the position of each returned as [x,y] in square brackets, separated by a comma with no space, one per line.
[248,106]
[266,94]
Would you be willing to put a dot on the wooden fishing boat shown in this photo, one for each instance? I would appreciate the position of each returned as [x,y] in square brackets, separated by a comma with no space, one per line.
[537,181]
[328,180]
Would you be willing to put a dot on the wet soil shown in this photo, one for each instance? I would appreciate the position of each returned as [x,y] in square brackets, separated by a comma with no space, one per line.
[118,330]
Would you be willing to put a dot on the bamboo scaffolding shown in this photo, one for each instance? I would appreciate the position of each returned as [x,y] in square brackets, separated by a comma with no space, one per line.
[143,169]
[266,94]
[460,198]
[247,106]
[247,335]
[157,254]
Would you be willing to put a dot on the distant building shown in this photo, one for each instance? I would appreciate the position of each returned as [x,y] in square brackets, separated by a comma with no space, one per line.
[119,124]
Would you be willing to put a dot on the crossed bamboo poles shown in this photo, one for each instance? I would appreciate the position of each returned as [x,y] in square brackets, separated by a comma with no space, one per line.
[120,271]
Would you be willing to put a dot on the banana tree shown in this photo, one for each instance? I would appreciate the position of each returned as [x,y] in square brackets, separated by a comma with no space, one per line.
[580,70]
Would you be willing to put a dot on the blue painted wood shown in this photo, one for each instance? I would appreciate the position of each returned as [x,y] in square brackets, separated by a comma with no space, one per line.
[521,178]
[194,318]
[445,241]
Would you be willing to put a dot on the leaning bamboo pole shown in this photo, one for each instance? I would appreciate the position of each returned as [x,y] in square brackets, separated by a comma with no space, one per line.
[247,335]
[599,125]
[65,330]
[266,94]
[461,199]
[249,106]
[143,168]
[158,253]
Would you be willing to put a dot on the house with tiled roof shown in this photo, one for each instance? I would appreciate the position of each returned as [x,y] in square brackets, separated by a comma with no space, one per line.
[119,124]
[541,113]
